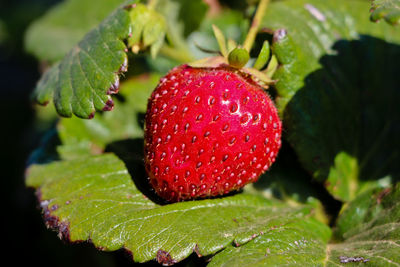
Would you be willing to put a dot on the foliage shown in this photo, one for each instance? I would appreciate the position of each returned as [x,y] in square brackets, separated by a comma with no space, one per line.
[389,10]
[118,215]
[83,81]
[336,91]
[371,235]
[53,35]
[327,92]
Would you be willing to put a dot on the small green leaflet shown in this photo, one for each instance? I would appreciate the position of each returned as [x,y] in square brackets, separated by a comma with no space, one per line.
[389,10]
[148,29]
[84,80]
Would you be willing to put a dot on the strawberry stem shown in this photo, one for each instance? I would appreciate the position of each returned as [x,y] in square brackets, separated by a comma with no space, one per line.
[251,36]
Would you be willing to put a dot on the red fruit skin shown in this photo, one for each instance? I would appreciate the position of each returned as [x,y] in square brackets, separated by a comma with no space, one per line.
[208,131]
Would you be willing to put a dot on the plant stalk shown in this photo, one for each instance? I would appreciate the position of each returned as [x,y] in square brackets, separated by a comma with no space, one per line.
[255,24]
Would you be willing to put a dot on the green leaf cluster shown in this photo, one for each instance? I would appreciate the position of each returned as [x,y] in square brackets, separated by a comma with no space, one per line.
[389,10]
[148,28]
[82,82]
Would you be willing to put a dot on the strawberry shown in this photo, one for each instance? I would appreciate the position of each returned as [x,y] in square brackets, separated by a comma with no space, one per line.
[208,131]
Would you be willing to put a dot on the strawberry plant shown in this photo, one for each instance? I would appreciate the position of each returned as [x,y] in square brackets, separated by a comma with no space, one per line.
[247,133]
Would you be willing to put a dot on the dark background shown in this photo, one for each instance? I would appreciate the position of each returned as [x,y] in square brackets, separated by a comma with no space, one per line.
[27,240]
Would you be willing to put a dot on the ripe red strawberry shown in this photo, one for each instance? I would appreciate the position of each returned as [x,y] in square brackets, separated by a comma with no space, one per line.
[208,131]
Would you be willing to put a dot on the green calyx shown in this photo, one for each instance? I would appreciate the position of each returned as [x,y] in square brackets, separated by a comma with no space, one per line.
[238,57]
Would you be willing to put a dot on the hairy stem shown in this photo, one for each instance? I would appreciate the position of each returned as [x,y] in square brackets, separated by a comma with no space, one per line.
[251,36]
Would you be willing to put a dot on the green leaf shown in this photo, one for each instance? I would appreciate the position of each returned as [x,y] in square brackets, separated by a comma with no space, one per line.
[369,227]
[53,35]
[338,91]
[94,198]
[83,81]
[300,243]
[92,136]
[389,10]
[148,29]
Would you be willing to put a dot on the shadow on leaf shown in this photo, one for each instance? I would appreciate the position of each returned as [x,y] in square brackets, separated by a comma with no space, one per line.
[344,123]
[130,151]
[288,181]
